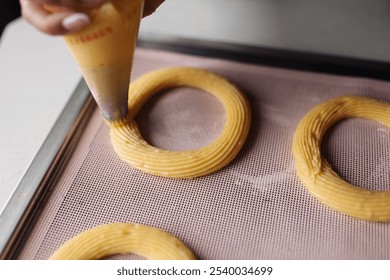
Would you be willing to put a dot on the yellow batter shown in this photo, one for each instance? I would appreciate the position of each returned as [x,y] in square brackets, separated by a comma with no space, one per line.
[132,148]
[121,238]
[316,173]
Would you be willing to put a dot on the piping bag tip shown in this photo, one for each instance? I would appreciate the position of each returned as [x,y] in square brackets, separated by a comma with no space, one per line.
[104,52]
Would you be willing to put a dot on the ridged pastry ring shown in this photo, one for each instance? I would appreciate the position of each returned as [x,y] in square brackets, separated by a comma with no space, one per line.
[317,174]
[121,238]
[132,148]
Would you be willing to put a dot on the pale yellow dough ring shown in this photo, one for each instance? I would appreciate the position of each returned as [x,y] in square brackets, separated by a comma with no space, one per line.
[132,148]
[317,174]
[121,238]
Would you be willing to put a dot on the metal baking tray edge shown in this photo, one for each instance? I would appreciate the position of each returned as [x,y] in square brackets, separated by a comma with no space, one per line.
[26,203]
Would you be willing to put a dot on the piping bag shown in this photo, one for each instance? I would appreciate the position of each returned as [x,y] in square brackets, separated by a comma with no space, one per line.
[104,51]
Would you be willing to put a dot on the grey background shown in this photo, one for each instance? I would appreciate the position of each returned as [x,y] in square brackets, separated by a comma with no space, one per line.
[356,28]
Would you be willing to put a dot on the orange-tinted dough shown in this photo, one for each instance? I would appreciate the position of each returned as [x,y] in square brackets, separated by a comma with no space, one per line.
[317,174]
[132,148]
[121,238]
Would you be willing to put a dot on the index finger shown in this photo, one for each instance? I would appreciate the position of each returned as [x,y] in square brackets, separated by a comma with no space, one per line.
[47,22]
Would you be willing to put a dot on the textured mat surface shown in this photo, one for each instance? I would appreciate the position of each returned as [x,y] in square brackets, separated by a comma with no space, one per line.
[256,207]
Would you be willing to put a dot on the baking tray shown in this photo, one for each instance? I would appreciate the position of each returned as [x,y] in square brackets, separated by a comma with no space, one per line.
[284,222]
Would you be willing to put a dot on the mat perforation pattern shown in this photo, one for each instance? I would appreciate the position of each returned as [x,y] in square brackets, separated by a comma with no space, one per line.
[256,207]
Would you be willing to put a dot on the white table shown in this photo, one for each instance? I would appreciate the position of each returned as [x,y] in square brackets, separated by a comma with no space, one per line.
[37,77]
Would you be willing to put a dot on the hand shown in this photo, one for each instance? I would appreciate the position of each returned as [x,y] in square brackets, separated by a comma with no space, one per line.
[69,18]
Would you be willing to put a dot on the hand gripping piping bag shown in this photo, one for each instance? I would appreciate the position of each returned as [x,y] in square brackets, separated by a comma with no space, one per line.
[104,51]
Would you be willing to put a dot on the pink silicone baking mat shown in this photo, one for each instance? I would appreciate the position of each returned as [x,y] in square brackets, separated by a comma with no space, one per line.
[256,207]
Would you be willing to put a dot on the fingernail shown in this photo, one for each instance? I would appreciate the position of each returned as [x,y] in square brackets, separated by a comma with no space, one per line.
[75,22]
